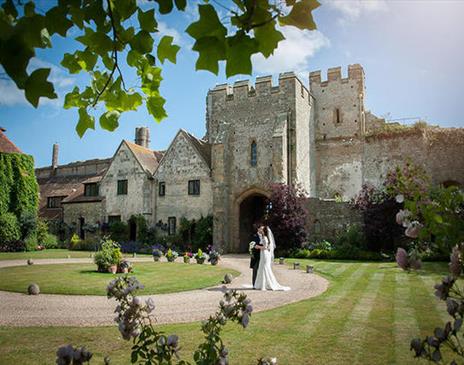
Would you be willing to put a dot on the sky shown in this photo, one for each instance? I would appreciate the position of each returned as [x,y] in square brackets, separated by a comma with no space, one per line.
[411,52]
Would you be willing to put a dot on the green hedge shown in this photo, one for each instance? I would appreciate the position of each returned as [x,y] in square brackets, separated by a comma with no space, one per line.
[19,188]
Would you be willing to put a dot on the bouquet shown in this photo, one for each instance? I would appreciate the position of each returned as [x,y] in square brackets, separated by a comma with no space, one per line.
[251,247]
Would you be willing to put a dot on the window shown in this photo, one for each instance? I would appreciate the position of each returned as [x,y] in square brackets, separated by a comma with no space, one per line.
[194,187]
[162,189]
[253,154]
[114,219]
[172,226]
[338,118]
[91,189]
[54,201]
[122,187]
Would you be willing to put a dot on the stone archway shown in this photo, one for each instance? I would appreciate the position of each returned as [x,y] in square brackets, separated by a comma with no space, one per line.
[249,208]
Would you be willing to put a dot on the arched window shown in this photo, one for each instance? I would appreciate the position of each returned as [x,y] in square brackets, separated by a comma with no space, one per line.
[253,154]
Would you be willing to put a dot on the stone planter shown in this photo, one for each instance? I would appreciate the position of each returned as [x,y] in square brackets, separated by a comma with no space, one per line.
[200,260]
[113,269]
[309,269]
[214,262]
[171,259]
[156,258]
[186,260]
[296,265]
[281,260]
[124,270]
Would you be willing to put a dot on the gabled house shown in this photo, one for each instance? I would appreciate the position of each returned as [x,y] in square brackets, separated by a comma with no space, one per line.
[183,182]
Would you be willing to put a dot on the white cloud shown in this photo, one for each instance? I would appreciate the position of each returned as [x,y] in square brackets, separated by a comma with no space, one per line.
[165,29]
[293,53]
[351,10]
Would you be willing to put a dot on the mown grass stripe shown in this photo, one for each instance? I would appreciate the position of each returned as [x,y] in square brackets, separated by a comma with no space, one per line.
[440,305]
[405,321]
[349,342]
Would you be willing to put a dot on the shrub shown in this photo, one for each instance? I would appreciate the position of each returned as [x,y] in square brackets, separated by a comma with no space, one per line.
[287,217]
[50,241]
[10,233]
[135,247]
[27,224]
[351,242]
[30,243]
[74,240]
[119,231]
[321,245]
[42,230]
[203,233]
[89,244]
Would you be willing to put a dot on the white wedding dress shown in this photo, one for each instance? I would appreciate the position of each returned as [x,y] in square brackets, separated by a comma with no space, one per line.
[265,279]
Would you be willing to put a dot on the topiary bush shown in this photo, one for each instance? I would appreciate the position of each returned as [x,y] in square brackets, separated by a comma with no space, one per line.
[119,231]
[10,233]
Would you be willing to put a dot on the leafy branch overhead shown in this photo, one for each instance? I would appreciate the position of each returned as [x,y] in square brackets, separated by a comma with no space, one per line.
[115,33]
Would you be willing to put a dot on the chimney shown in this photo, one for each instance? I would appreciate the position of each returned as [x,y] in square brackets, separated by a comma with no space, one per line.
[55,156]
[142,136]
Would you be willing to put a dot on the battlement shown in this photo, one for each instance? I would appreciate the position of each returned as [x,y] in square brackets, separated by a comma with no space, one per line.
[262,86]
[355,72]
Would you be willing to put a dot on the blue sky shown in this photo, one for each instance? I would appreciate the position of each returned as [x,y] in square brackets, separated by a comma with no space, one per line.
[411,52]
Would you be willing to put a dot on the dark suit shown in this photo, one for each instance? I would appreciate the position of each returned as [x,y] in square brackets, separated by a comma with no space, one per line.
[255,256]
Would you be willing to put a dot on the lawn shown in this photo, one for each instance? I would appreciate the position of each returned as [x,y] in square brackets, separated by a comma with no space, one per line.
[367,316]
[158,278]
[49,254]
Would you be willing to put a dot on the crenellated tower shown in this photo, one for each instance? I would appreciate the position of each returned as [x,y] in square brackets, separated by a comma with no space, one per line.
[339,103]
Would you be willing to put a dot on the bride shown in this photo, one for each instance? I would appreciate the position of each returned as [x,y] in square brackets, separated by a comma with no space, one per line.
[265,279]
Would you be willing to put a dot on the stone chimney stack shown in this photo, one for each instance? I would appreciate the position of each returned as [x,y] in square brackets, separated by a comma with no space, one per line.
[55,156]
[142,136]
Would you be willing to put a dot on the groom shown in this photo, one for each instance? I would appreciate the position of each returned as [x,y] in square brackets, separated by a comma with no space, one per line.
[255,252]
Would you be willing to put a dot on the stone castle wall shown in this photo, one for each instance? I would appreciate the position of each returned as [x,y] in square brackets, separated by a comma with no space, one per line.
[180,164]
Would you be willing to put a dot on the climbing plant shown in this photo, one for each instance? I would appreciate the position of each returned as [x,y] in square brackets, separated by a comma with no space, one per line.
[19,189]
[114,32]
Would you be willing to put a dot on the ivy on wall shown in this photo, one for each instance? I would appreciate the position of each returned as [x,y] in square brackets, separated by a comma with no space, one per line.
[18,185]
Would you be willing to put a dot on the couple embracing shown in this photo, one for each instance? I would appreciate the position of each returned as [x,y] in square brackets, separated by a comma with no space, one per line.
[262,256]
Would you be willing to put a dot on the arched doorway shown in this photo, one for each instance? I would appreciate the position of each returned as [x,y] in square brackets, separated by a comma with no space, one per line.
[251,210]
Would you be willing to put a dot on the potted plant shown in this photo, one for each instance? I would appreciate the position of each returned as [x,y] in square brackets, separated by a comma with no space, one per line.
[200,257]
[171,255]
[125,266]
[157,252]
[187,257]
[109,257]
[214,256]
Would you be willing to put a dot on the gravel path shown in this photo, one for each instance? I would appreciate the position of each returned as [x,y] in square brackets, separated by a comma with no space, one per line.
[22,310]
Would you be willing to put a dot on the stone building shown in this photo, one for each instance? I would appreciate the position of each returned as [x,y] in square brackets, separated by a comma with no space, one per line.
[321,138]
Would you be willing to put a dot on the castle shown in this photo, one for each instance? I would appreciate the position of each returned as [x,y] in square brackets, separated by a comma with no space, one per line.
[322,139]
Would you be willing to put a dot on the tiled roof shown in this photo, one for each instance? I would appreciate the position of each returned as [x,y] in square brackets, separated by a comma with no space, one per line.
[6,146]
[203,148]
[149,159]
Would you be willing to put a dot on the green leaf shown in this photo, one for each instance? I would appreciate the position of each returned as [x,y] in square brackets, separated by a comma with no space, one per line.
[181,4]
[57,22]
[14,57]
[125,8]
[155,106]
[73,99]
[29,9]
[85,122]
[167,50]
[10,8]
[438,218]
[110,120]
[142,42]
[86,59]
[210,51]
[37,86]
[97,41]
[208,25]
[300,16]
[147,20]
[268,38]
[133,58]
[70,62]
[165,6]
[240,47]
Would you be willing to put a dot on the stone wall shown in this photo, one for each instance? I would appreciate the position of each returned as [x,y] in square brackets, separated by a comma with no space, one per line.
[327,219]
[181,163]
[92,212]
[139,198]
